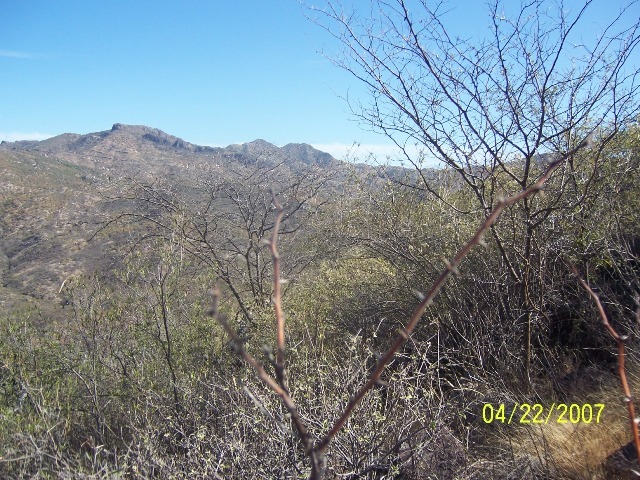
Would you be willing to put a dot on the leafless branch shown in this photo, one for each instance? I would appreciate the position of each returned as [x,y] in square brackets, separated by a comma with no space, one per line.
[620,339]
[277,293]
[316,452]
[451,267]
[305,439]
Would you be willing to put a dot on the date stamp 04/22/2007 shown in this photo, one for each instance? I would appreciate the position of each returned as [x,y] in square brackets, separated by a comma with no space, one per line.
[537,414]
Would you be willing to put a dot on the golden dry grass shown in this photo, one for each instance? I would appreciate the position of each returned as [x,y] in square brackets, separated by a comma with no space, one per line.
[581,450]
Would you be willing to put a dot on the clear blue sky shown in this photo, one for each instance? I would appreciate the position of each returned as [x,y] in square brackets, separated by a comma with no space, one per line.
[212,72]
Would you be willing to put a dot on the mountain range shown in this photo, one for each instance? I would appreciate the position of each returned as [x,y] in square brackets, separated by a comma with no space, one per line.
[53,191]
[53,194]
[132,149]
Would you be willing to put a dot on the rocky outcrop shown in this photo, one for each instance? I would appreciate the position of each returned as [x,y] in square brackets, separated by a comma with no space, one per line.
[307,154]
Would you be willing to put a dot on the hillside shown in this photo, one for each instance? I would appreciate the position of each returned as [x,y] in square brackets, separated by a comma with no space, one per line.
[141,150]
[53,196]
[112,243]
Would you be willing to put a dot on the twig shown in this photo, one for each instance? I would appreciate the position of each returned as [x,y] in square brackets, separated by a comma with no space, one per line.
[451,267]
[316,453]
[305,439]
[258,403]
[277,294]
[620,339]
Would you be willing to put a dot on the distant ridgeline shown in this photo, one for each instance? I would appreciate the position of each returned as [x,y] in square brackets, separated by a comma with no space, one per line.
[136,146]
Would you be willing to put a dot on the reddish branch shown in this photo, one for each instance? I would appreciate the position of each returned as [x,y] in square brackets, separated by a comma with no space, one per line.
[316,453]
[279,384]
[451,267]
[268,380]
[277,294]
[620,339]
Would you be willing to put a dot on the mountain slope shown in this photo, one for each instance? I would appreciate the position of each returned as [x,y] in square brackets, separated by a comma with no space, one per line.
[53,194]
[307,154]
[139,150]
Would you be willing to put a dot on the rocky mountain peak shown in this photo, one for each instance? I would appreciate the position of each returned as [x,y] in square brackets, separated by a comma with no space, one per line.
[153,135]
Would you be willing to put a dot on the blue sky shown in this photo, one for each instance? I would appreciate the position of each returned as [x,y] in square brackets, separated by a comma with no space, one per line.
[212,72]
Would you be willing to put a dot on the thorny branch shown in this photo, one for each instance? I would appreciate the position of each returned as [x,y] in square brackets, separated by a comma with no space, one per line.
[620,339]
[278,385]
[451,267]
[305,438]
[316,452]
[277,295]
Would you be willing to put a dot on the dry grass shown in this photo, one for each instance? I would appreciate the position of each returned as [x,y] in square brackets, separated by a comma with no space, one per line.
[580,451]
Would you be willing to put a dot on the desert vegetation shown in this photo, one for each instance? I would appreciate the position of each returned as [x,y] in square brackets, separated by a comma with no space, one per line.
[270,319]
